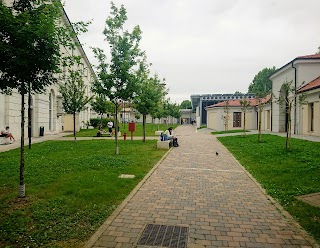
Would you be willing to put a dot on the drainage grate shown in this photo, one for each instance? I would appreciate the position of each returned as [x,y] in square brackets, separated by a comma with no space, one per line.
[164,236]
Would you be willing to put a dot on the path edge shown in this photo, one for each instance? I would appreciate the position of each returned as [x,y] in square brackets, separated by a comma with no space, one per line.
[90,243]
[277,205]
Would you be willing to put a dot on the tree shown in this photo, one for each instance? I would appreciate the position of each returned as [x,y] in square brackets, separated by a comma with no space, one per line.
[174,110]
[287,99]
[186,104]
[261,103]
[261,82]
[245,107]
[225,117]
[30,37]
[149,93]
[116,80]
[74,97]
[101,106]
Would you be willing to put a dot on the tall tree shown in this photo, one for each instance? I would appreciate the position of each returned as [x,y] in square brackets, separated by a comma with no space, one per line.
[186,104]
[287,99]
[261,82]
[74,97]
[116,80]
[30,37]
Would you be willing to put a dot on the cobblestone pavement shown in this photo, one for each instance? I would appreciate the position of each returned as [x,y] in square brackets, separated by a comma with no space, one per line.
[209,193]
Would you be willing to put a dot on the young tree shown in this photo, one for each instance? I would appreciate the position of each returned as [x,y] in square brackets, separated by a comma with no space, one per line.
[261,82]
[261,103]
[174,110]
[245,108]
[225,117]
[287,99]
[74,97]
[149,94]
[116,80]
[30,37]
[101,106]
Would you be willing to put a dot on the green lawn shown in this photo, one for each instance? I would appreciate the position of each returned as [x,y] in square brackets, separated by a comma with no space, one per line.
[284,174]
[150,129]
[229,131]
[71,189]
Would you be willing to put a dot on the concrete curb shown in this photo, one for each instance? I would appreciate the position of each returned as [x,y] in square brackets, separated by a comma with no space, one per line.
[117,211]
[281,210]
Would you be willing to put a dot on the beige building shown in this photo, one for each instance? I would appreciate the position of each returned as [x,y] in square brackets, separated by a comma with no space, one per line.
[229,115]
[304,73]
[46,108]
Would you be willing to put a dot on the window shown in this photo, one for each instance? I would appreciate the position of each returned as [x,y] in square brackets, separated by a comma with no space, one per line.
[311,117]
[237,119]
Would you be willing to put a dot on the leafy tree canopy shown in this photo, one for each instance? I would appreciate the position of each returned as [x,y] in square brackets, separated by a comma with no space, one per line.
[261,84]
[186,104]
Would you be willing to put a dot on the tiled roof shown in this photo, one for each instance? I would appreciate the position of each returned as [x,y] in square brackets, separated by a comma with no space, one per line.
[236,103]
[312,56]
[312,85]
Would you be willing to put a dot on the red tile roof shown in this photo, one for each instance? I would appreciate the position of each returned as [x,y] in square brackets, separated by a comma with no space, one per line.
[236,103]
[312,56]
[312,85]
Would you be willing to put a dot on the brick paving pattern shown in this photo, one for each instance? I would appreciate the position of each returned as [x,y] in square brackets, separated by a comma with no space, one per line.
[210,194]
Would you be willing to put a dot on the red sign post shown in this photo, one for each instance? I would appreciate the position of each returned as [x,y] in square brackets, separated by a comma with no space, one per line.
[132,128]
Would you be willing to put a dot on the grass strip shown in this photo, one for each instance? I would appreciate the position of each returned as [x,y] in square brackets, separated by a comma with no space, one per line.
[230,131]
[71,189]
[150,130]
[284,174]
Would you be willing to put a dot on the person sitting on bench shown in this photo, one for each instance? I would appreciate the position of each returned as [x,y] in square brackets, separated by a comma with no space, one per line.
[5,133]
[169,135]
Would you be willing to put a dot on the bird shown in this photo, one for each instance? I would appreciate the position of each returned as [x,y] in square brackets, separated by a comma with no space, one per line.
[217,153]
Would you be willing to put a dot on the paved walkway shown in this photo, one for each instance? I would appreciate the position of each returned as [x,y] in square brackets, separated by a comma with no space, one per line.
[212,195]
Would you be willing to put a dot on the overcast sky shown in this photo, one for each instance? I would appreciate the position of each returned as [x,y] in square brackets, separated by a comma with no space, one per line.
[209,46]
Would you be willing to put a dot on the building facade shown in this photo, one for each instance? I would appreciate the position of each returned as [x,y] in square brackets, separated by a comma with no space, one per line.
[303,72]
[200,102]
[46,108]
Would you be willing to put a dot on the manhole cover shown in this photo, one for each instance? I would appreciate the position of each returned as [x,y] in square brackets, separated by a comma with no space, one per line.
[164,236]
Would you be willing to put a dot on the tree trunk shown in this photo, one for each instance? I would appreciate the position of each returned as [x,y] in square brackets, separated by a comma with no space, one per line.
[74,126]
[116,130]
[288,128]
[21,191]
[144,127]
[244,123]
[29,115]
[259,126]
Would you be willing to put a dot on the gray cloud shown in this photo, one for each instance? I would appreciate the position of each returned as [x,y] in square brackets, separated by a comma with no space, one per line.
[210,46]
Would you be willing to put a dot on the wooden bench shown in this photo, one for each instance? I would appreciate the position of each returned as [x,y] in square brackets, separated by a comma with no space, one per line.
[166,144]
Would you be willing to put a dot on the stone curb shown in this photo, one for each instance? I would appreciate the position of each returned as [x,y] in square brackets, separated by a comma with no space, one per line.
[117,211]
[281,210]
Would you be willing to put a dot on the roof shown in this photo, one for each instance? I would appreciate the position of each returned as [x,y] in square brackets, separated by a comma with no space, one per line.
[236,103]
[311,85]
[304,57]
[312,56]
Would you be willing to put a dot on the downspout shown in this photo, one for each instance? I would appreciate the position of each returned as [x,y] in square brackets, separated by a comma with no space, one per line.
[295,98]
[271,99]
